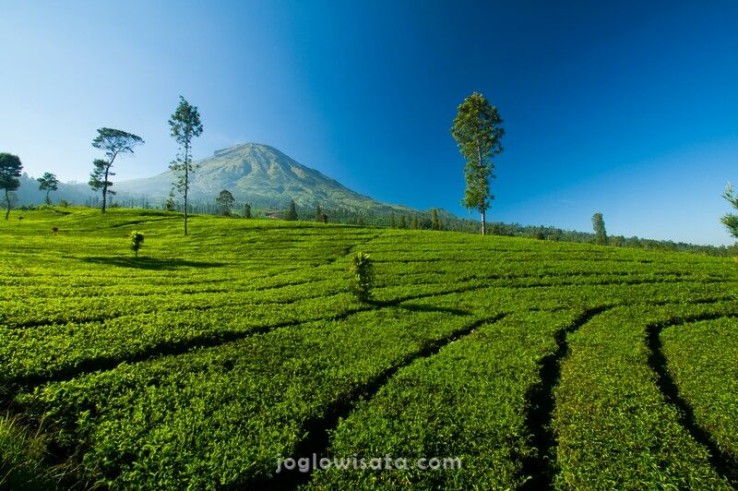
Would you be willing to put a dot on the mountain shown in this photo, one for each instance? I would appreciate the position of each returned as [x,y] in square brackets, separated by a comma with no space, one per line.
[255,174]
[261,176]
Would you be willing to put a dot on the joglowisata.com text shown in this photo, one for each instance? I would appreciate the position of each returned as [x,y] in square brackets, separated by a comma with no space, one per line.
[354,462]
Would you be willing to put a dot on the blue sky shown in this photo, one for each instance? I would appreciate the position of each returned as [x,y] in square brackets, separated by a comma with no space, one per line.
[629,108]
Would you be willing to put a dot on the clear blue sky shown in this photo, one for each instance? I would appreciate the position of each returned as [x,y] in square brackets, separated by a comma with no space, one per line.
[629,108]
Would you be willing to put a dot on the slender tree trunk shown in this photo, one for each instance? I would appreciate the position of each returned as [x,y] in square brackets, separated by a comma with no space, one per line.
[105,189]
[480,165]
[105,184]
[187,183]
[7,201]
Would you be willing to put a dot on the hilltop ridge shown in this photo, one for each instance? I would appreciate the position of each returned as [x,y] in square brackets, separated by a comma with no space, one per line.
[263,176]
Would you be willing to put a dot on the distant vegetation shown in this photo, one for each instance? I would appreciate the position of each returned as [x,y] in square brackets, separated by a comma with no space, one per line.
[598,224]
[446,222]
[291,213]
[225,200]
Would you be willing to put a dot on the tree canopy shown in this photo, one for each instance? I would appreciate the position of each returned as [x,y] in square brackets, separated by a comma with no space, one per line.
[48,182]
[10,171]
[113,142]
[225,199]
[477,129]
[598,224]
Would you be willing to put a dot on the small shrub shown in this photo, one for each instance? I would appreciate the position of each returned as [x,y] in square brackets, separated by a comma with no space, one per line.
[362,275]
[55,230]
[137,239]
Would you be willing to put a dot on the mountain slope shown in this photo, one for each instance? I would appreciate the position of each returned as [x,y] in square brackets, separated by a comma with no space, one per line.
[262,176]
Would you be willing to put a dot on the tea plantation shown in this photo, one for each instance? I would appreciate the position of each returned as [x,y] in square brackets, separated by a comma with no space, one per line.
[238,358]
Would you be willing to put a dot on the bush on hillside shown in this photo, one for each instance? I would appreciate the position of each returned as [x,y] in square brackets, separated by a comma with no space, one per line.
[362,275]
[137,239]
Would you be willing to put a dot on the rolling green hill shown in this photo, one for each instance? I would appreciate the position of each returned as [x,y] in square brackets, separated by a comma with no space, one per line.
[213,361]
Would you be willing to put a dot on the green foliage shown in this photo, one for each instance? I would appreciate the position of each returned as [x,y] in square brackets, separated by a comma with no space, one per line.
[614,429]
[435,221]
[225,200]
[199,367]
[23,458]
[362,273]
[730,220]
[598,224]
[246,210]
[48,182]
[185,125]
[99,180]
[113,142]
[170,204]
[10,171]
[291,213]
[137,239]
[478,131]
[703,357]
[476,417]
[320,215]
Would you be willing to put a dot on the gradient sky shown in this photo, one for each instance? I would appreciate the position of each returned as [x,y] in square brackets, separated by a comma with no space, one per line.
[629,108]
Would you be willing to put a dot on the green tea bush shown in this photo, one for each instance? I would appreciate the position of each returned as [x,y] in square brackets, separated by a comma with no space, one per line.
[137,239]
[362,271]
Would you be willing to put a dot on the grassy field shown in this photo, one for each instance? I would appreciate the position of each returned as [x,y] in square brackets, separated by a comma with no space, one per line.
[216,360]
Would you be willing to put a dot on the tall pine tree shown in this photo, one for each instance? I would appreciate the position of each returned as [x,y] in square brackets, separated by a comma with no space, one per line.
[185,125]
[478,130]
